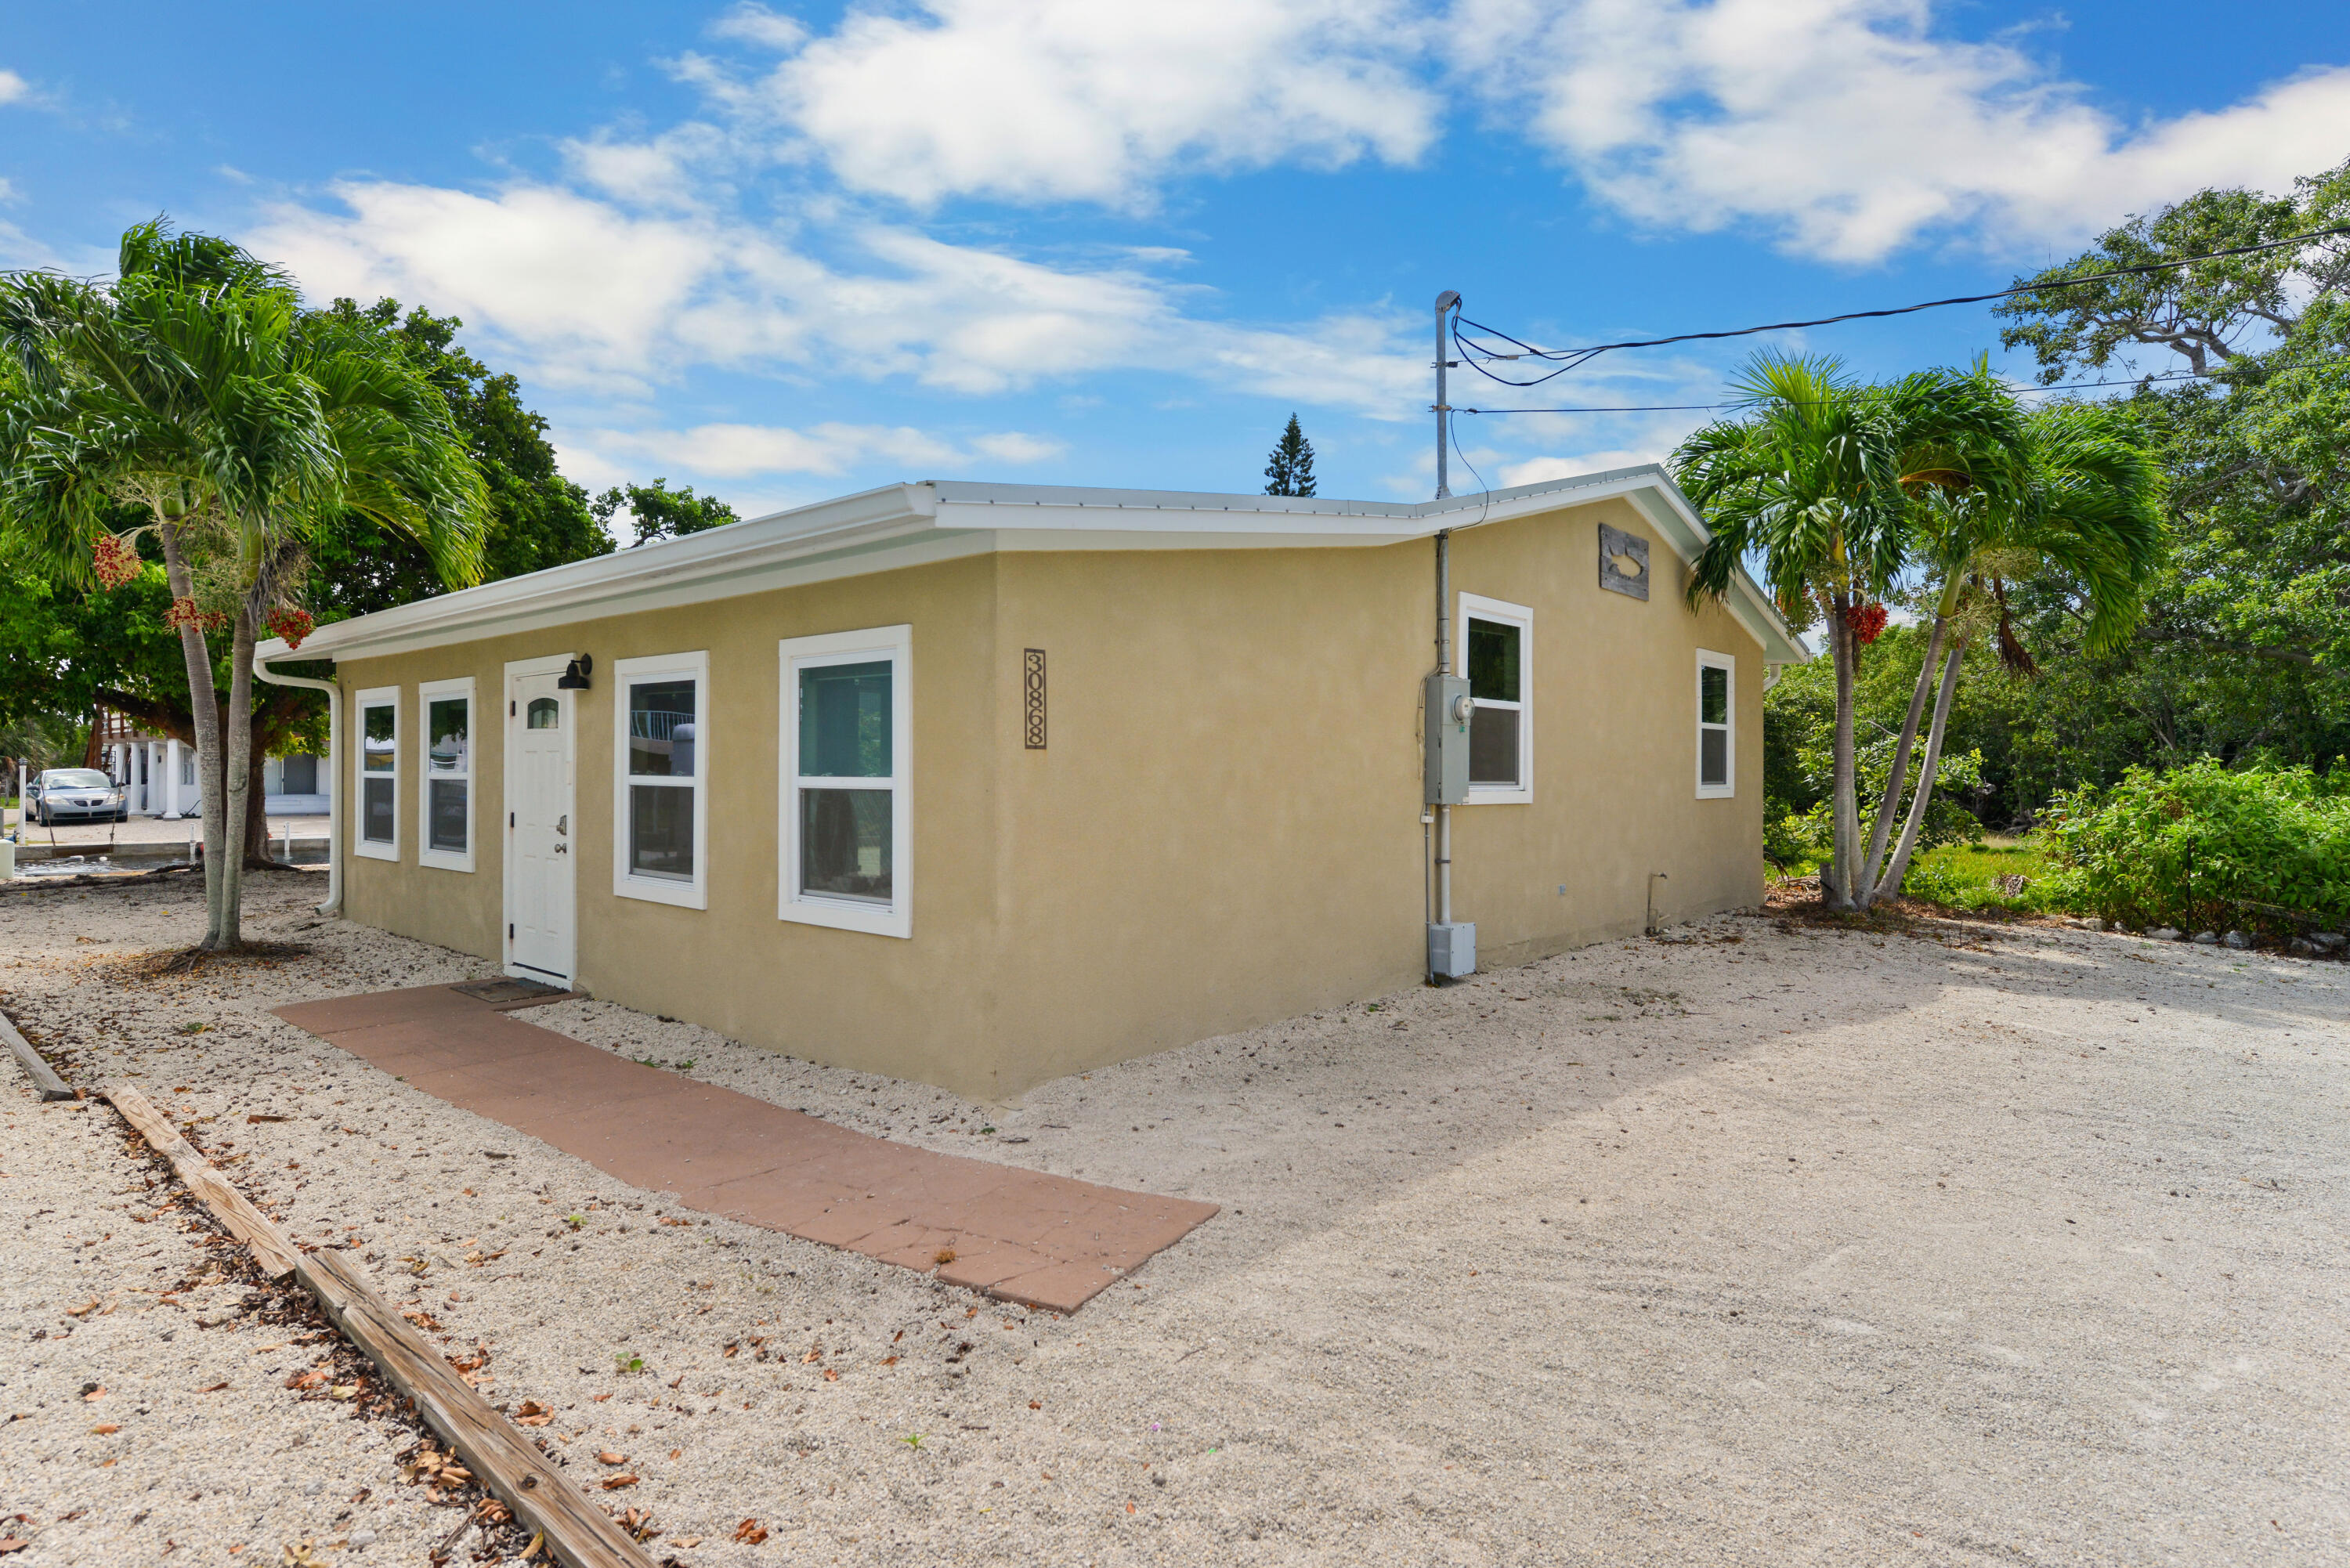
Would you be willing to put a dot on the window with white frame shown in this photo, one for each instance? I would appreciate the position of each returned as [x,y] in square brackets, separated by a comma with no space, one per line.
[1716,746]
[662,763]
[445,793]
[848,731]
[379,814]
[1497,655]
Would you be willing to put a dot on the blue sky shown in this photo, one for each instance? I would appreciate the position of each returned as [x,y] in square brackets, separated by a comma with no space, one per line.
[787,253]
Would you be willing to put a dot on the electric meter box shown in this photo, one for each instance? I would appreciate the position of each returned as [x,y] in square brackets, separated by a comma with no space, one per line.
[1445,727]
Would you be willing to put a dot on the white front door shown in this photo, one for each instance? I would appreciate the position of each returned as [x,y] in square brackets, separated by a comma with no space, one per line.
[541,835]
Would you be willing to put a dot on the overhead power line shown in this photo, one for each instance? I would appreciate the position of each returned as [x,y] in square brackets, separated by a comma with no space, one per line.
[1568,358]
[2061,387]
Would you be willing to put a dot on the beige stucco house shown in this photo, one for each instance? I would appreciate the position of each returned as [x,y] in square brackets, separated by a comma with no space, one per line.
[980,784]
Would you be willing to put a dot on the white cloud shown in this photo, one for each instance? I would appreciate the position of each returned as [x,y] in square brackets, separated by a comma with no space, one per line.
[14,89]
[743,451]
[1072,99]
[592,296]
[1535,469]
[753,24]
[1852,128]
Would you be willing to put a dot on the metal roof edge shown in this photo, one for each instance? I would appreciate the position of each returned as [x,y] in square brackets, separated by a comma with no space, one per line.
[876,521]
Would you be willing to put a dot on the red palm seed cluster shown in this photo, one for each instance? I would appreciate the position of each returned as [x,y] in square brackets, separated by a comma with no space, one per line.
[116,559]
[183,612]
[1866,621]
[293,625]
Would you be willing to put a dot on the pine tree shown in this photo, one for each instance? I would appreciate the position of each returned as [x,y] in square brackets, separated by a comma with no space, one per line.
[1291,469]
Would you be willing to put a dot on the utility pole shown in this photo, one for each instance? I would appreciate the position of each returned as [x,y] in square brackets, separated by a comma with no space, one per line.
[1446,303]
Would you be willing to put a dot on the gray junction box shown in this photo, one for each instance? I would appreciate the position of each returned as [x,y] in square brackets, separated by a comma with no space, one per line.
[1446,730]
[1452,951]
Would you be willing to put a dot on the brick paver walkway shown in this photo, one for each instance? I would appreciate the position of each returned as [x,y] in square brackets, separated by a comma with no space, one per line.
[1042,1240]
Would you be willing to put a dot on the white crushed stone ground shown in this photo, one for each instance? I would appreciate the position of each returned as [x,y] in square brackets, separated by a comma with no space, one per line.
[2012,1245]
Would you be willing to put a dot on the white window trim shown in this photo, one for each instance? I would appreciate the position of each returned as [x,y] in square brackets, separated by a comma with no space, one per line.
[1727,789]
[444,859]
[1519,616]
[693,894]
[896,643]
[374,697]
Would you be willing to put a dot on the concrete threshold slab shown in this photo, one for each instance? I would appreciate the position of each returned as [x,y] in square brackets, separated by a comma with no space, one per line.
[1023,1236]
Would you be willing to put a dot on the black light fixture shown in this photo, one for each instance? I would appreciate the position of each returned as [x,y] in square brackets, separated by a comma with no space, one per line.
[574,679]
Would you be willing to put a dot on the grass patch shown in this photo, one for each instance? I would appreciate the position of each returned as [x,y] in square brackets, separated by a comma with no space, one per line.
[2015,876]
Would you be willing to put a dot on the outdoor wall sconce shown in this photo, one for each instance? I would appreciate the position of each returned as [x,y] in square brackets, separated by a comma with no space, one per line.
[575,678]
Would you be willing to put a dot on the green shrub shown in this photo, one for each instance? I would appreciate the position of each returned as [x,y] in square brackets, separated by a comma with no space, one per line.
[2205,847]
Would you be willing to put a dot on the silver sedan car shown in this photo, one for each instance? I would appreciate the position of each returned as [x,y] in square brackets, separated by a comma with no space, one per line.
[85,795]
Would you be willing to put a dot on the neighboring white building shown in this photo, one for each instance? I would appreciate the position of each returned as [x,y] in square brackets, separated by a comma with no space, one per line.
[160,772]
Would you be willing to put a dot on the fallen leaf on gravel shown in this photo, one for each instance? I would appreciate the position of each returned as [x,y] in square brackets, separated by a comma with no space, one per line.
[1036,1404]
[610,1458]
[639,1524]
[107,1429]
[91,1396]
[613,1483]
[537,1544]
[533,1414]
[831,1374]
[685,1541]
[261,1116]
[750,1532]
[214,1389]
[82,1310]
[1129,1508]
[815,1354]
[341,1391]
[889,1360]
[305,1380]
[302,1556]
[10,1543]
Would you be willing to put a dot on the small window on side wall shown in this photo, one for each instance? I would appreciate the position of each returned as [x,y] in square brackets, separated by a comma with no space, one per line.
[1497,655]
[1717,750]
[376,833]
[845,816]
[445,801]
[660,828]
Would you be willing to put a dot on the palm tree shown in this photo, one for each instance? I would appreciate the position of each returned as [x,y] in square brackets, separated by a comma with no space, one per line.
[1820,480]
[2087,509]
[193,388]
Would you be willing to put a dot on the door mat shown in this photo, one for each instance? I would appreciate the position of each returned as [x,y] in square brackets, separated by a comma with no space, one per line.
[508,992]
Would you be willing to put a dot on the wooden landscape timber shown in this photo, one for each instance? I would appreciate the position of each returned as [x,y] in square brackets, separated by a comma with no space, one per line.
[45,1077]
[505,1461]
[246,1223]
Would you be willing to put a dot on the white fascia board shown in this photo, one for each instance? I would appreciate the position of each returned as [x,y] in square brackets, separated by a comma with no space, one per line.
[911,525]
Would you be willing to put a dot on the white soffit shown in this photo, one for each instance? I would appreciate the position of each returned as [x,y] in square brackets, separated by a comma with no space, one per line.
[913,525]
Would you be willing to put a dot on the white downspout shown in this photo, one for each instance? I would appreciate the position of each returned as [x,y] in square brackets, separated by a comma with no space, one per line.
[334,900]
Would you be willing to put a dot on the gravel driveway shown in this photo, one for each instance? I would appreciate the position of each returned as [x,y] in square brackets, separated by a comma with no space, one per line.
[1773,1242]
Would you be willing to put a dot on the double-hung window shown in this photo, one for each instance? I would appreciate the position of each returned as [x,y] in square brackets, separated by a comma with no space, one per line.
[445,804]
[848,731]
[378,827]
[662,763]
[1497,653]
[1716,747]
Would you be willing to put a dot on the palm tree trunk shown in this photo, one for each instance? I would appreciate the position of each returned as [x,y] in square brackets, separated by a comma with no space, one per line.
[1836,882]
[204,700]
[1910,829]
[240,778]
[1882,828]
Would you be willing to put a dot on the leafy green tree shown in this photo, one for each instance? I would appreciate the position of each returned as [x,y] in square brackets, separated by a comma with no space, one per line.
[2245,643]
[538,518]
[1290,470]
[661,513]
[193,388]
